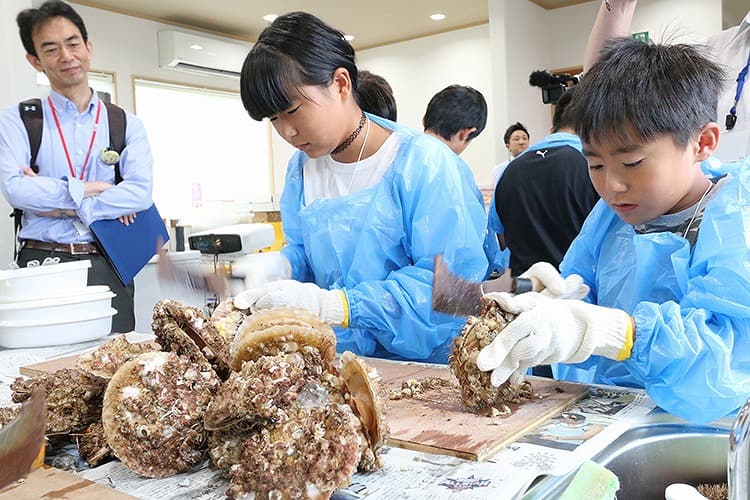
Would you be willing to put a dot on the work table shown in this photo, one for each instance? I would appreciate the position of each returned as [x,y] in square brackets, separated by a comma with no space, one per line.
[557,444]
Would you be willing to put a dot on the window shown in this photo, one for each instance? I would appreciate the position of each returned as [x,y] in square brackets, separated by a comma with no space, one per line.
[102,82]
[207,150]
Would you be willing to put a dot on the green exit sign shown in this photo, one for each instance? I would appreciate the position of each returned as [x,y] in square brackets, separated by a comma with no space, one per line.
[641,35]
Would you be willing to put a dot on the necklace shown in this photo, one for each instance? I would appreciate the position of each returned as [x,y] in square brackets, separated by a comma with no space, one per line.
[697,208]
[359,157]
[65,146]
[347,142]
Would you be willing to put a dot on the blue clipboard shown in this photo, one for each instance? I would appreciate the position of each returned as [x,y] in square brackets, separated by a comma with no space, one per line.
[129,248]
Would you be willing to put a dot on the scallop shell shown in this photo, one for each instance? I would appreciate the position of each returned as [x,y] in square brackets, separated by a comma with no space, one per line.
[309,456]
[153,413]
[282,331]
[186,330]
[477,391]
[227,319]
[108,357]
[261,392]
[74,398]
[367,401]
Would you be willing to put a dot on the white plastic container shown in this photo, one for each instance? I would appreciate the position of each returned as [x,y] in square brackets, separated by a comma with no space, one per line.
[44,281]
[76,304]
[52,331]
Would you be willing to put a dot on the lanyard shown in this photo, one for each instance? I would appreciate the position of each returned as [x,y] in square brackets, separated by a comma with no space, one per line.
[62,137]
[732,116]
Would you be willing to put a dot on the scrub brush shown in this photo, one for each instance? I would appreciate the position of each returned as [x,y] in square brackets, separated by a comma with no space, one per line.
[592,482]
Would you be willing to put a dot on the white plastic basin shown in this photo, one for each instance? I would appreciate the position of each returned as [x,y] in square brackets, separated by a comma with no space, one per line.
[44,281]
[76,304]
[52,331]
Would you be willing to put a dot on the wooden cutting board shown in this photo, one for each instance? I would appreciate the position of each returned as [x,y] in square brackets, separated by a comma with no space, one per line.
[49,482]
[436,421]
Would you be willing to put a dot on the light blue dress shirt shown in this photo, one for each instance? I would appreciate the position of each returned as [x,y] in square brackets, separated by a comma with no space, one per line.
[54,187]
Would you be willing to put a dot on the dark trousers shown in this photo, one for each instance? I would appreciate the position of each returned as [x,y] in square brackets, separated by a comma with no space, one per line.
[100,273]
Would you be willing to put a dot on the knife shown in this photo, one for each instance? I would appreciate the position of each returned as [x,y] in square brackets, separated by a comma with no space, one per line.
[456,296]
[190,279]
[22,439]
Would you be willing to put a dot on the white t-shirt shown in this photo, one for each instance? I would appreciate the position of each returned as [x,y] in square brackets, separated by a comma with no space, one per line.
[325,177]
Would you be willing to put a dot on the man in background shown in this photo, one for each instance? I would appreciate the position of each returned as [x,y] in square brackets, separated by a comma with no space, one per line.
[72,183]
[544,196]
[516,140]
[456,115]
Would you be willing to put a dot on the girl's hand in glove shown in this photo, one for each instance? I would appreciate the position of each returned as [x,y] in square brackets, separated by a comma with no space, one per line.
[331,306]
[553,285]
[555,331]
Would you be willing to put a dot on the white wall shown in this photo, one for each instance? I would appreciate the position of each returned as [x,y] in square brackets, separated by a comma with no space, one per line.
[525,37]
[418,69]
[17,83]
[131,49]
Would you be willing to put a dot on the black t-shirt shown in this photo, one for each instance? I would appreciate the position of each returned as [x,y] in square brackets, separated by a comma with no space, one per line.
[542,200]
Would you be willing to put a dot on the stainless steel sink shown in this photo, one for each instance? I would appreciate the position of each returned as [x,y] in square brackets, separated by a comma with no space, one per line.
[647,458]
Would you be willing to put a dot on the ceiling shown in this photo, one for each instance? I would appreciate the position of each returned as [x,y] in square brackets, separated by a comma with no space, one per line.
[372,23]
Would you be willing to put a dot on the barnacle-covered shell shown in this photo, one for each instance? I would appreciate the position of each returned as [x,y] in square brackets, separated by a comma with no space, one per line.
[284,330]
[187,331]
[92,445]
[74,398]
[308,456]
[477,391]
[368,402]
[108,357]
[153,413]
[261,391]
[224,444]
[227,319]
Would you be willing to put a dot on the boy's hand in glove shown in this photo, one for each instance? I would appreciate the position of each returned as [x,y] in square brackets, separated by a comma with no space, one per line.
[554,331]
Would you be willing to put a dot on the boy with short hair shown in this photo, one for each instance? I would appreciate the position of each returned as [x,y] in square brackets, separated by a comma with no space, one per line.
[666,251]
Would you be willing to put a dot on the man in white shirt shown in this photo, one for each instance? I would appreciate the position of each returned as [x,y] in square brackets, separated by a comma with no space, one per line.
[516,141]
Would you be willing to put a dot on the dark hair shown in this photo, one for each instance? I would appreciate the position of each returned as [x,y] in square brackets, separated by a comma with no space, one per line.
[509,131]
[29,19]
[455,108]
[295,50]
[375,95]
[560,118]
[647,89]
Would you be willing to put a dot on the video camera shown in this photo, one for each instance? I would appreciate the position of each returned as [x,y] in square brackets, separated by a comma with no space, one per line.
[552,86]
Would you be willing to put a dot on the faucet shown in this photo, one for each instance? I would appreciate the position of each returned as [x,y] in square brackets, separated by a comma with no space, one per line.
[738,463]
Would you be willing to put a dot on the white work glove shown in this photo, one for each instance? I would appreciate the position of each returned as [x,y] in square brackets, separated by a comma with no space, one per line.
[257,269]
[554,331]
[331,306]
[554,285]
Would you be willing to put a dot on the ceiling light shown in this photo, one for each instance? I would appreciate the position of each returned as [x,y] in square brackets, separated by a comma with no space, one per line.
[348,38]
[195,46]
[438,17]
[270,17]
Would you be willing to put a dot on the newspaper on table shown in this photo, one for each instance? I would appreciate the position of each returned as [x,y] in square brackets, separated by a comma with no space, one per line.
[554,448]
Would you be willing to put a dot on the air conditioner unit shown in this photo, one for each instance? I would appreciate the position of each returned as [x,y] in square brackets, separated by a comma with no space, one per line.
[201,54]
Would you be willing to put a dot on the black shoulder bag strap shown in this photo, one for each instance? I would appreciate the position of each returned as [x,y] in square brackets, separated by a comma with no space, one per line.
[116,116]
[31,116]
